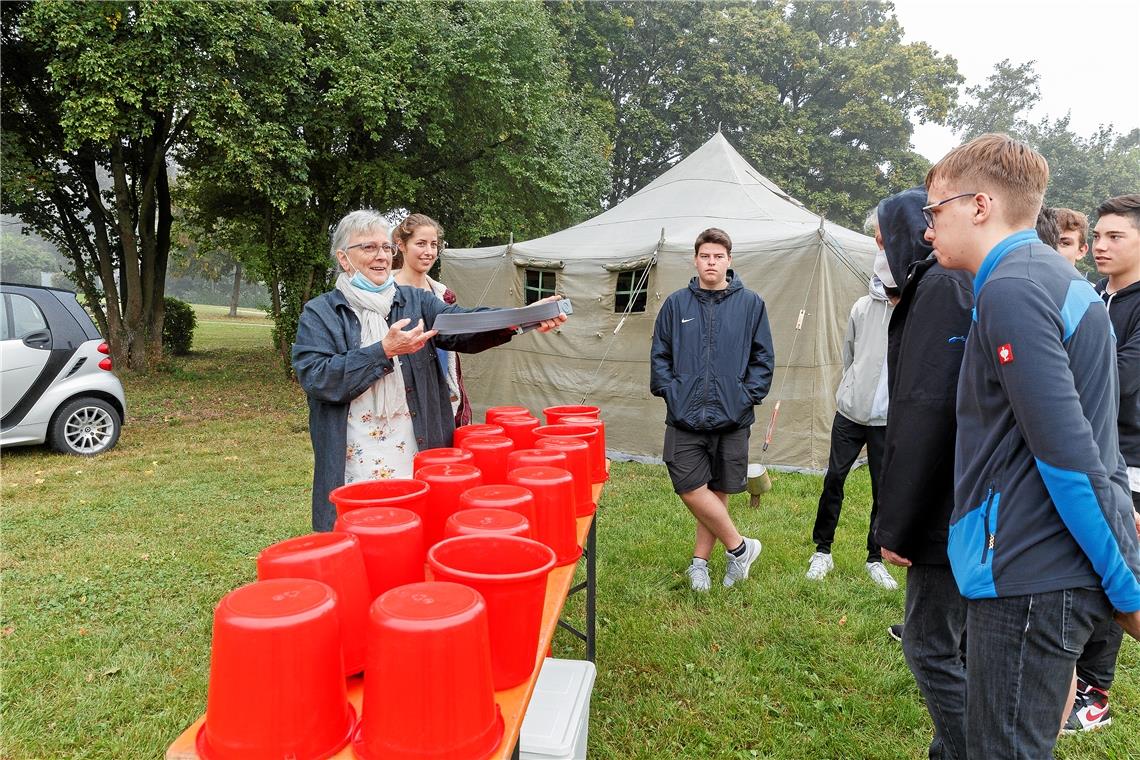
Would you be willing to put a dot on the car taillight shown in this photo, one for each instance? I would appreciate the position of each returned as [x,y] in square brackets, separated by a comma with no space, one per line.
[104,349]
[105,364]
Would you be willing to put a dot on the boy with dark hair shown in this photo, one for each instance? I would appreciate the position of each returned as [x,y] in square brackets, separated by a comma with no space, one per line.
[1074,227]
[712,362]
[1047,229]
[1116,250]
[1042,541]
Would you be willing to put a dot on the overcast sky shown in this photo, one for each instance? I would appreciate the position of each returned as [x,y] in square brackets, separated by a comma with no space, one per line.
[1087,53]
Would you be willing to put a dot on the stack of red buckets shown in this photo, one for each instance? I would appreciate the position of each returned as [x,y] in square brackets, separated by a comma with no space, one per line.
[432,587]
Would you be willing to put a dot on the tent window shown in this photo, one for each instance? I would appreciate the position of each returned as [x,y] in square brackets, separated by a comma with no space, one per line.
[631,286]
[540,283]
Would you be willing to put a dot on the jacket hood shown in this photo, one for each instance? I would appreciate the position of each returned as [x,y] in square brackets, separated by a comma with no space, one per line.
[876,289]
[1122,294]
[734,284]
[903,229]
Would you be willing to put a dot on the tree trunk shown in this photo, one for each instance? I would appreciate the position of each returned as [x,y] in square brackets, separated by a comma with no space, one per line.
[235,294]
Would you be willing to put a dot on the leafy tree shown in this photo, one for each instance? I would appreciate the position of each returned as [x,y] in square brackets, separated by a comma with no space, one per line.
[1000,105]
[98,99]
[462,111]
[21,260]
[820,96]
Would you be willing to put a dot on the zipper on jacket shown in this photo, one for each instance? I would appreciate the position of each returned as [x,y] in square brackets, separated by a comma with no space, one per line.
[989,542]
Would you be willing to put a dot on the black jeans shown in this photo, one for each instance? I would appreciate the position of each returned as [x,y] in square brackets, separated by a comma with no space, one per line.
[933,638]
[1020,656]
[1097,664]
[847,439]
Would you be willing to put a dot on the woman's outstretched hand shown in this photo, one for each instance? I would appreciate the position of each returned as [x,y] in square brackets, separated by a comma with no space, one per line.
[399,341]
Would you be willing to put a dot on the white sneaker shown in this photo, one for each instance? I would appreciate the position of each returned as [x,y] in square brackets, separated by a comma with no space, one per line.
[698,573]
[879,575]
[819,566]
[737,569]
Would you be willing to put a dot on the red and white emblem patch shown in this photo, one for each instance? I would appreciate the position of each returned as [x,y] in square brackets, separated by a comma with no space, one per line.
[1005,354]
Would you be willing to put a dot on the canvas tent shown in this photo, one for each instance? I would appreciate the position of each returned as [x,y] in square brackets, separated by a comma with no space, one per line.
[790,256]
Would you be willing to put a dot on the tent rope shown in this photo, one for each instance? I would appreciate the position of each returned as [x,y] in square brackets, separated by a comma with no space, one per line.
[771,430]
[502,260]
[642,281]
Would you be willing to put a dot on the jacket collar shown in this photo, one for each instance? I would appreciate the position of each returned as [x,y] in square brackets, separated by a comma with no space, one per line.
[998,252]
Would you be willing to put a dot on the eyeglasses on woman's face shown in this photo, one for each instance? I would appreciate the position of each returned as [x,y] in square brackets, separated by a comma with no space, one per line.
[372,248]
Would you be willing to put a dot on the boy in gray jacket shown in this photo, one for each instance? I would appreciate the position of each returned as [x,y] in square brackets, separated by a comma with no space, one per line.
[860,419]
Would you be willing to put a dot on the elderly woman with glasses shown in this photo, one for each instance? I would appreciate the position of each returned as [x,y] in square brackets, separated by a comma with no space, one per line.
[375,397]
[417,240]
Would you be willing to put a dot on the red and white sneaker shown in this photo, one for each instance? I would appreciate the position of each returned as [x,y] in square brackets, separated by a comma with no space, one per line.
[1090,709]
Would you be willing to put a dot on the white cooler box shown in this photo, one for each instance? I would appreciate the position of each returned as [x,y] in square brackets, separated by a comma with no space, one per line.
[557,720]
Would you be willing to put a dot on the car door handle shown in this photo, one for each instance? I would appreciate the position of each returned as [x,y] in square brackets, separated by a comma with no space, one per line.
[38,339]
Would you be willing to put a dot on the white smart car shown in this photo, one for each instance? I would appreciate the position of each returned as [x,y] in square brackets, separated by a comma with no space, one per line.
[56,383]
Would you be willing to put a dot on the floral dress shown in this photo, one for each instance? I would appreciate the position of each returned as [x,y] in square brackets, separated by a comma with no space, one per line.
[378,448]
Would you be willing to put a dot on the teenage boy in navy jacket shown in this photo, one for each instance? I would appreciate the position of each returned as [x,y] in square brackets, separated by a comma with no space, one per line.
[712,362]
[1043,543]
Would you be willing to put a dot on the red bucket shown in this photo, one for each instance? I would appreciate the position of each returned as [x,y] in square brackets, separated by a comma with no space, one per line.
[519,429]
[554,523]
[276,675]
[490,452]
[514,498]
[332,558]
[577,454]
[599,473]
[463,432]
[495,412]
[392,541]
[441,456]
[429,693]
[388,492]
[447,482]
[535,458]
[486,521]
[589,434]
[510,573]
[554,414]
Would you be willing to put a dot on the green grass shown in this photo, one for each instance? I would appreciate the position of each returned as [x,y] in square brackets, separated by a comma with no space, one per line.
[111,568]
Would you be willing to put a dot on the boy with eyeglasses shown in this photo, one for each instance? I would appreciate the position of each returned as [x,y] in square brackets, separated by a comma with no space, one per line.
[1042,541]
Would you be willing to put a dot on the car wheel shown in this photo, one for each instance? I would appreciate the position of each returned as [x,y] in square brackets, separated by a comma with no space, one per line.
[85,427]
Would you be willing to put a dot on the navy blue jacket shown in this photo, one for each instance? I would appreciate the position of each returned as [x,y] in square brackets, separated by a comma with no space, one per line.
[712,357]
[1041,492]
[1124,311]
[333,369]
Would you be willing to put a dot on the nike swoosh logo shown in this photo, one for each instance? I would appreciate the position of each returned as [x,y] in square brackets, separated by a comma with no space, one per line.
[690,319]
[1091,716]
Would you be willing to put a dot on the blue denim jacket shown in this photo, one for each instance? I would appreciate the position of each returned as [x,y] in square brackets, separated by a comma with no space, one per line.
[333,369]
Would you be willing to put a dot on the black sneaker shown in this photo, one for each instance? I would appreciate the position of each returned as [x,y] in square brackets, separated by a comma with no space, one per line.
[1090,709]
[895,631]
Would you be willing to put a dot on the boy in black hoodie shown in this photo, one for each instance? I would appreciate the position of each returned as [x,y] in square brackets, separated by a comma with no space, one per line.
[916,491]
[1116,251]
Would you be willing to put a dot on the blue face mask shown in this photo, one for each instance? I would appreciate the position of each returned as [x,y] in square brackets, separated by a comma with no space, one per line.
[360,281]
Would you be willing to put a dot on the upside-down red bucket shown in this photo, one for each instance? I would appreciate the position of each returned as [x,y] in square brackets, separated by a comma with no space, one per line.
[386,492]
[599,473]
[392,542]
[510,573]
[495,412]
[510,497]
[277,684]
[465,431]
[441,456]
[554,523]
[429,694]
[577,454]
[490,452]
[333,558]
[554,414]
[519,429]
[535,457]
[588,433]
[447,482]
[486,521]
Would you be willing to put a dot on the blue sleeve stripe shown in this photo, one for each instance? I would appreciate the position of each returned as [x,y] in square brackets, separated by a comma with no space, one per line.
[1077,301]
[1076,502]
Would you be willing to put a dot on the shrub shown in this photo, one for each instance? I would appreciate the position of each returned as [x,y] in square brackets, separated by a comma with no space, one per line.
[178,327]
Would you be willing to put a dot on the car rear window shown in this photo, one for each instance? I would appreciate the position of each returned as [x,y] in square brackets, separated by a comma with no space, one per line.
[81,316]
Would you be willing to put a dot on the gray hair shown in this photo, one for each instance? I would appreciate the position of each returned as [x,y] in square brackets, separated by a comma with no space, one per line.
[871,223]
[354,223]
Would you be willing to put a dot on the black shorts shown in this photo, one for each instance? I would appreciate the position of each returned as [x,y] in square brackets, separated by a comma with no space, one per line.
[718,460]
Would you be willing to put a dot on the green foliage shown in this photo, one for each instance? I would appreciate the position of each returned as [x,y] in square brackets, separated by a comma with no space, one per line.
[1001,104]
[21,260]
[820,96]
[178,326]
